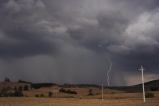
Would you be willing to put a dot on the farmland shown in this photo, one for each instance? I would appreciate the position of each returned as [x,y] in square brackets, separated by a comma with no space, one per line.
[57,95]
[110,99]
[74,102]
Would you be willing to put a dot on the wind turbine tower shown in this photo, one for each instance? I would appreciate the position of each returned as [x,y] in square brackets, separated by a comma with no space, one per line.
[102,92]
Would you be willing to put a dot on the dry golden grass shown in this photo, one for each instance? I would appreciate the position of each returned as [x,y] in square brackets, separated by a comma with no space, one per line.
[75,102]
[111,98]
[82,92]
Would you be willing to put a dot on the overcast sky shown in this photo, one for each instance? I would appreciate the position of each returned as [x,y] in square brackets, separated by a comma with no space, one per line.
[73,41]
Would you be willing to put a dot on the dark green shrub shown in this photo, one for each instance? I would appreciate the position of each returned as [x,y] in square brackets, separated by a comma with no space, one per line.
[149,95]
[154,88]
[71,92]
[26,88]
[90,92]
[18,93]
[20,88]
[41,95]
[50,94]
[62,90]
[67,91]
[36,95]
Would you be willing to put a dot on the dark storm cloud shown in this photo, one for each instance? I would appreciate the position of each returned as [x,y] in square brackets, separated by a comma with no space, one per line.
[20,38]
[146,4]
[72,39]
[25,44]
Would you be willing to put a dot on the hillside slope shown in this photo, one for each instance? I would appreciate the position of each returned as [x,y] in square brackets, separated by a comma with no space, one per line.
[149,86]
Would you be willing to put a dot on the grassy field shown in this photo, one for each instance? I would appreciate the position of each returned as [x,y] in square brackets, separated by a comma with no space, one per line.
[31,101]
[111,98]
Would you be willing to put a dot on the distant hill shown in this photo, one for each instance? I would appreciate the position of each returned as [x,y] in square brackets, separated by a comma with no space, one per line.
[149,86]
[21,81]
[79,85]
[14,85]
[40,85]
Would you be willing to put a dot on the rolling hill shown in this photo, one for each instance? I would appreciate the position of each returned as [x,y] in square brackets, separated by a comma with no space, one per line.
[149,86]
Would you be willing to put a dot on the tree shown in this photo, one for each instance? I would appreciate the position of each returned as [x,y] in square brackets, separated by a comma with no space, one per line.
[154,88]
[62,90]
[20,88]
[26,88]
[50,94]
[67,91]
[37,95]
[4,92]
[90,92]
[149,95]
[15,88]
[41,95]
[6,79]
[18,93]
